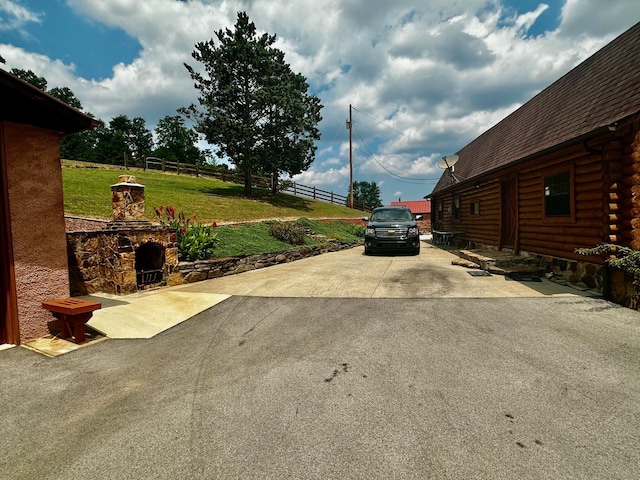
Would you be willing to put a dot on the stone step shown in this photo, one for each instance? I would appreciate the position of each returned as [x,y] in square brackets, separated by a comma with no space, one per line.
[501,263]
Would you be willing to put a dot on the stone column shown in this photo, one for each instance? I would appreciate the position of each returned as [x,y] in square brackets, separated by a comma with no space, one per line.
[127,199]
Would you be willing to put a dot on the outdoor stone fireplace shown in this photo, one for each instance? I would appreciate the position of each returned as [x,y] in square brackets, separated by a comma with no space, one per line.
[129,254]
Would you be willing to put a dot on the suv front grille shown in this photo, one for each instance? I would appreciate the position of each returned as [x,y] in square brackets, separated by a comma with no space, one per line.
[392,232]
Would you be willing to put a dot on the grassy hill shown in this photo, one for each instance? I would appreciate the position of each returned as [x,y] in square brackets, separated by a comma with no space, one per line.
[87,193]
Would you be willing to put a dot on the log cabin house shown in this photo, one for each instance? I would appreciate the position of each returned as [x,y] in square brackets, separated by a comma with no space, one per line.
[33,247]
[559,173]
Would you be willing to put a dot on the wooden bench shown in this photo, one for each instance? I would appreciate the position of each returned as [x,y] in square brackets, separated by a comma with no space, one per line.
[73,313]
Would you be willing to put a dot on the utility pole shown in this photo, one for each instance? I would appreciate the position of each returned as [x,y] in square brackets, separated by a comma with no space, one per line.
[350,127]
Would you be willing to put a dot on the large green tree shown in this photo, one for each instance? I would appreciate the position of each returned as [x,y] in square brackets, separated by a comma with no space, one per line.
[252,107]
[290,135]
[125,137]
[176,142]
[80,146]
[365,194]
[111,145]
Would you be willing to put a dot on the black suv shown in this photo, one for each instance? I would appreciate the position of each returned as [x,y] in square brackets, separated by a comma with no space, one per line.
[392,228]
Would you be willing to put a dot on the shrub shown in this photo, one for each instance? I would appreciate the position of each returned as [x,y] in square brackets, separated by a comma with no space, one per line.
[288,232]
[195,241]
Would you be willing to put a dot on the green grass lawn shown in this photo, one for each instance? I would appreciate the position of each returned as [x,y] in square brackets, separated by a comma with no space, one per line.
[252,238]
[87,193]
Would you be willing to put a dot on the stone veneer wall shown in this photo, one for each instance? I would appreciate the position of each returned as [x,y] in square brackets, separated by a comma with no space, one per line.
[104,260]
[218,267]
[615,285]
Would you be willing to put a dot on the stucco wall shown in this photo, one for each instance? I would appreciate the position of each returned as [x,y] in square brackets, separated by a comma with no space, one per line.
[37,224]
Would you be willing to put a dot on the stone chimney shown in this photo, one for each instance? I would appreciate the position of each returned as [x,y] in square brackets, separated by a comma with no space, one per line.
[127,199]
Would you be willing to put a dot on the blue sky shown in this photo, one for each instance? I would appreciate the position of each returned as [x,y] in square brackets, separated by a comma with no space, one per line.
[425,77]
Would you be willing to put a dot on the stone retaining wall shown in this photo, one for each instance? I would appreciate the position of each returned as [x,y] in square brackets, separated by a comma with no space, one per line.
[218,267]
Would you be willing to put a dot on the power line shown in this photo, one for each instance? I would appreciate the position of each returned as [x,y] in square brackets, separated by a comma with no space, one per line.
[380,123]
[400,177]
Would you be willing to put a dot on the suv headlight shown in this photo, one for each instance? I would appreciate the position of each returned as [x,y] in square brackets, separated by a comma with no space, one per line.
[413,231]
[370,232]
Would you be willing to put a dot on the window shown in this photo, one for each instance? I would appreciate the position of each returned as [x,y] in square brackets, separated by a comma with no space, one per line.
[455,208]
[557,195]
[475,208]
[440,210]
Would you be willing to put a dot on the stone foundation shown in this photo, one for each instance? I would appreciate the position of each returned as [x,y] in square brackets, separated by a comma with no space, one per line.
[612,284]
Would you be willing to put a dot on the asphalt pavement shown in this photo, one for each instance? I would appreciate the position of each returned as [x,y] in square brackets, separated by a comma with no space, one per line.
[498,380]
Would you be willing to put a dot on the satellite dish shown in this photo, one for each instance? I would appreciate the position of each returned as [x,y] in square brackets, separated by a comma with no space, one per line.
[447,161]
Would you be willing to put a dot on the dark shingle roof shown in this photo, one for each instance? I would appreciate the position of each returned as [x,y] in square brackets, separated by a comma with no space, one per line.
[23,103]
[601,90]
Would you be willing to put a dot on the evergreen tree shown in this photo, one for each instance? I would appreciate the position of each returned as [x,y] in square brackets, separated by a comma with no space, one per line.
[252,106]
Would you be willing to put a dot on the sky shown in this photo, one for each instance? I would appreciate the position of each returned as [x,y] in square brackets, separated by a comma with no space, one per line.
[422,77]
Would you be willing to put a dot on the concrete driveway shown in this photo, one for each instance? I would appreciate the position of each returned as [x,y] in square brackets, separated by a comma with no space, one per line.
[344,274]
[351,274]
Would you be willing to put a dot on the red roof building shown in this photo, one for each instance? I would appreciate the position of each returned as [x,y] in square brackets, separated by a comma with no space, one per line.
[417,207]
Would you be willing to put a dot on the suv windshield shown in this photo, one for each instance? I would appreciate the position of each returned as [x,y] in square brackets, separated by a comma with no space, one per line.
[392,215]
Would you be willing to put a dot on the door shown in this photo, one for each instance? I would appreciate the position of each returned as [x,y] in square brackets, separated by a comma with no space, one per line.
[509,212]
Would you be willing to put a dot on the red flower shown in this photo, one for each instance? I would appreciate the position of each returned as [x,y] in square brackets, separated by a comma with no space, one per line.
[172,212]
[214,224]
[183,230]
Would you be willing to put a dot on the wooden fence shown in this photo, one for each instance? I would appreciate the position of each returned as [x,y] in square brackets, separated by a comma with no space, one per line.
[153,163]
[291,187]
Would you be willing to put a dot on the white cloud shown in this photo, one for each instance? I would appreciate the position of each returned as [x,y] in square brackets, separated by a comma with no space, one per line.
[332,176]
[595,18]
[426,76]
[14,16]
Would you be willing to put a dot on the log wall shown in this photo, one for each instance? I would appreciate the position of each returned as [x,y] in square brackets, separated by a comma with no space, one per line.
[560,236]
[605,180]
[483,227]
[629,219]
